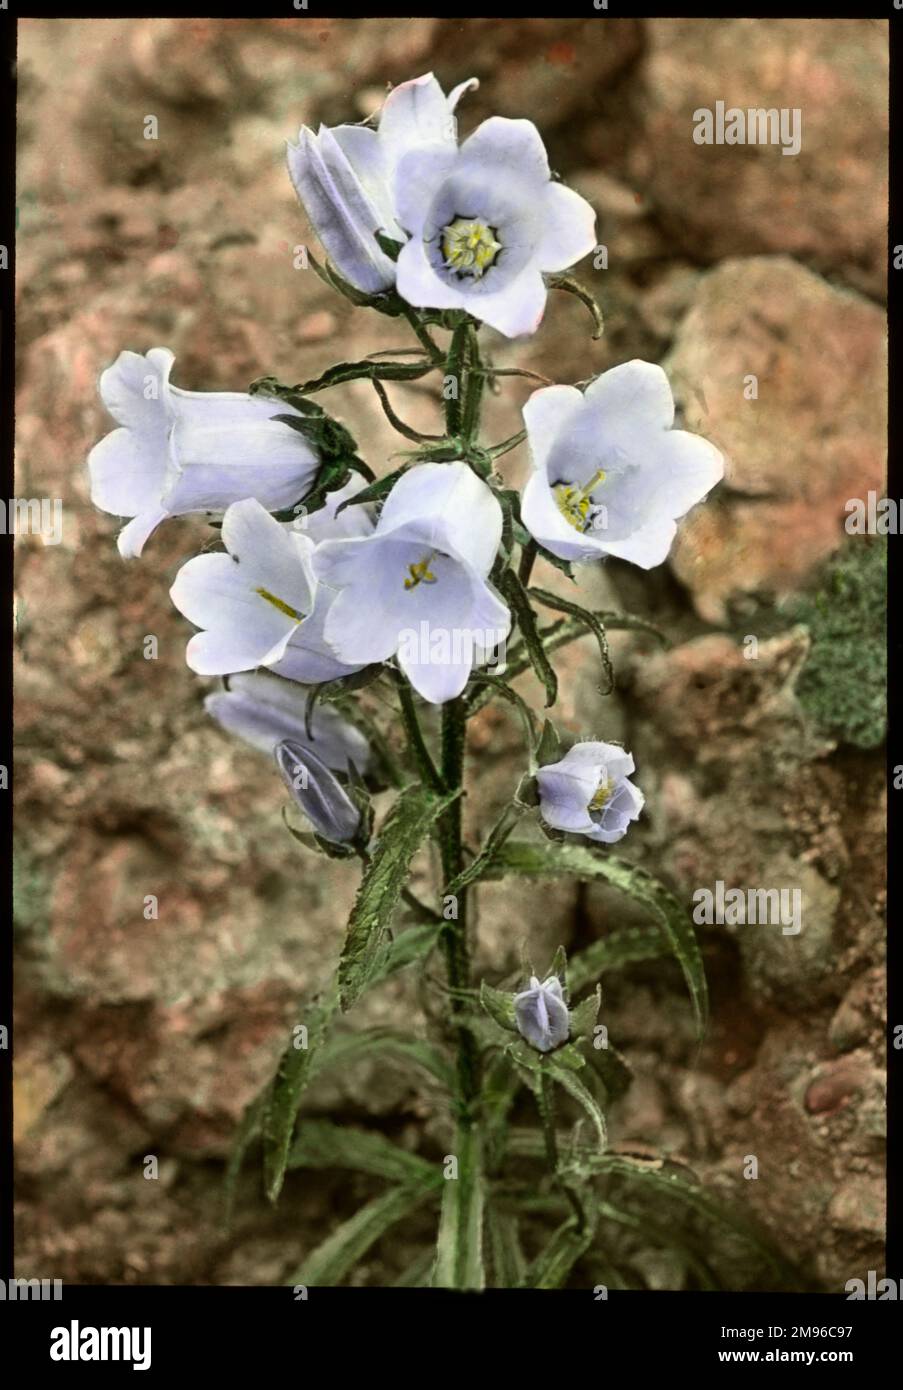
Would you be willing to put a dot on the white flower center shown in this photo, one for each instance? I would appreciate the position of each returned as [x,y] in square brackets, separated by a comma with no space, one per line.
[575,503]
[279,603]
[469,246]
[420,572]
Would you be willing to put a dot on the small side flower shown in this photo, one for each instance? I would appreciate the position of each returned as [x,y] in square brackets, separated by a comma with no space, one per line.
[588,792]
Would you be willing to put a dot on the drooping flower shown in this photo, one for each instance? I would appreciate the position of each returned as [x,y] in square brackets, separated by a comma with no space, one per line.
[318,793]
[588,792]
[178,451]
[610,475]
[343,176]
[258,604]
[417,587]
[266,711]
[541,1014]
[486,221]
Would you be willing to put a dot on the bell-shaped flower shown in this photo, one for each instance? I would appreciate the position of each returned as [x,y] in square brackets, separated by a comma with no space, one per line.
[610,475]
[266,711]
[258,604]
[344,175]
[318,793]
[541,1014]
[179,451]
[417,587]
[486,221]
[588,792]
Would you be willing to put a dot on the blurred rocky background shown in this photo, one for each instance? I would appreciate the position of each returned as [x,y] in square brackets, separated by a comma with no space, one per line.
[138,1037]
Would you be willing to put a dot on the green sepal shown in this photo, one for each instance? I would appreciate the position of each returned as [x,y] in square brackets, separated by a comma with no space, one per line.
[571,285]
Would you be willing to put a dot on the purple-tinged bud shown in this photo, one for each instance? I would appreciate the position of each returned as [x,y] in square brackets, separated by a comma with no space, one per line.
[542,1015]
[318,793]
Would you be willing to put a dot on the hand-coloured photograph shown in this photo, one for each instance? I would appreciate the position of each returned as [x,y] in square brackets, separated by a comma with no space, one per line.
[450,654]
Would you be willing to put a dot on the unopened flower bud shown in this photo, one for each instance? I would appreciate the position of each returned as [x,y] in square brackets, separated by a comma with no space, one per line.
[318,793]
[541,1014]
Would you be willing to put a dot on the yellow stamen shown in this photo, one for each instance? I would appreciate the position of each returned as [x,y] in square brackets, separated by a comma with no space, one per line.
[574,503]
[469,246]
[280,604]
[420,573]
[602,796]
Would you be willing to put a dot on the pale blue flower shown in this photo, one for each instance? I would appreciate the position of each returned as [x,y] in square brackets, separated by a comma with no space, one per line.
[318,793]
[179,451]
[610,475]
[417,587]
[266,711]
[344,175]
[486,221]
[541,1014]
[588,792]
[258,604]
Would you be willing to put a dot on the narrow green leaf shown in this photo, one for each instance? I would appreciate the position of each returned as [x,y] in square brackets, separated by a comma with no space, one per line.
[459,1246]
[575,1087]
[498,1005]
[293,1074]
[673,1185]
[590,620]
[545,860]
[245,1135]
[548,748]
[571,285]
[370,1042]
[407,948]
[330,1262]
[375,492]
[509,1266]
[417,1274]
[401,834]
[620,948]
[552,1266]
[494,840]
[583,1015]
[321,1144]
[366,371]
[516,595]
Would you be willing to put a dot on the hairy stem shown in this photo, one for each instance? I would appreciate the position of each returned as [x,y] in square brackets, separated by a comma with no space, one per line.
[425,765]
[455,933]
[545,1099]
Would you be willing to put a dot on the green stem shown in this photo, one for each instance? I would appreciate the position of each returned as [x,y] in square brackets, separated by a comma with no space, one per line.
[456,369]
[423,335]
[473,394]
[455,933]
[527,559]
[425,765]
[545,1099]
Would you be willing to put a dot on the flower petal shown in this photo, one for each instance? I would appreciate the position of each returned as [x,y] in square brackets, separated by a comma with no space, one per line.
[569,228]
[547,413]
[516,309]
[415,113]
[339,210]
[124,389]
[132,538]
[448,506]
[633,399]
[419,284]
[508,144]
[127,468]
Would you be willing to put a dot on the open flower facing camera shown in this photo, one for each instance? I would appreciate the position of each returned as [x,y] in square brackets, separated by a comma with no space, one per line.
[361,612]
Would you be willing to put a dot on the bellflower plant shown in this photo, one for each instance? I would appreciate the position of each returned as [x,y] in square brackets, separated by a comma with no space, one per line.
[359,617]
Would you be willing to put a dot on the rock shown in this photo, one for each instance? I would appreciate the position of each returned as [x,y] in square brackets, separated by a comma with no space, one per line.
[769,528]
[858,1205]
[826,205]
